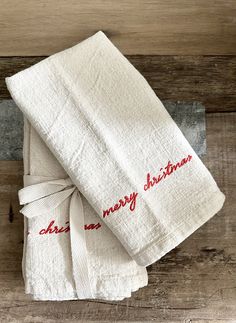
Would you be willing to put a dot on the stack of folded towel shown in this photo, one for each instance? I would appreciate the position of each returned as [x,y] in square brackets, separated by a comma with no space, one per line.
[105,272]
[111,183]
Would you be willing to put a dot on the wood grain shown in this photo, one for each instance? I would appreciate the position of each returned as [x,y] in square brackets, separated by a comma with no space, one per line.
[184,27]
[207,79]
[196,282]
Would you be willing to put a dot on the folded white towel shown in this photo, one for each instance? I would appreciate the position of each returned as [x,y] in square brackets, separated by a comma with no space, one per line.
[120,147]
[49,264]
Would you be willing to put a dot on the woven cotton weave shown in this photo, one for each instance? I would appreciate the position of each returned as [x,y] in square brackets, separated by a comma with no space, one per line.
[47,260]
[119,145]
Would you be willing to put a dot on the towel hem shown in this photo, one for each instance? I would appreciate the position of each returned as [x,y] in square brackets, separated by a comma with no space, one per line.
[137,282]
[161,247]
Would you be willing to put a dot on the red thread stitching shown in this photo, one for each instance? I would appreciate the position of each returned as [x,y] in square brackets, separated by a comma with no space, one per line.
[131,199]
[150,182]
[168,170]
[50,229]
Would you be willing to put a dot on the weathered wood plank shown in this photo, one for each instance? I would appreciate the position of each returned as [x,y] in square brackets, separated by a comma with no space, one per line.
[190,117]
[195,282]
[207,79]
[185,27]
[11,131]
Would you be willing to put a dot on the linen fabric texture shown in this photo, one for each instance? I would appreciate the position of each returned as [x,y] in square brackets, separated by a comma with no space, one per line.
[118,144]
[47,263]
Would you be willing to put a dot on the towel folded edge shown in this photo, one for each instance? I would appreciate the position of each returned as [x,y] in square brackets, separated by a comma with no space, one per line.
[158,248]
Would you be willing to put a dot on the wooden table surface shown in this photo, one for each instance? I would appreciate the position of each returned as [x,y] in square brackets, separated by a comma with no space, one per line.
[195,282]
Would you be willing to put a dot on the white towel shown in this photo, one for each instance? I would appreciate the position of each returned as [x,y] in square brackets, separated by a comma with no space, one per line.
[120,147]
[47,262]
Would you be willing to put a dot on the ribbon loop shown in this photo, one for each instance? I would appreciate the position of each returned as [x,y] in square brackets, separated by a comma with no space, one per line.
[46,204]
[36,191]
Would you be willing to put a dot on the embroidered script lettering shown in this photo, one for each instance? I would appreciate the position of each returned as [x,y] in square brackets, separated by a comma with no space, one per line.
[131,200]
[55,229]
[150,182]
[166,171]
[92,226]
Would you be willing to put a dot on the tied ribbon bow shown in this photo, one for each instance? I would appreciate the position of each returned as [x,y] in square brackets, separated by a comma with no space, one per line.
[45,196]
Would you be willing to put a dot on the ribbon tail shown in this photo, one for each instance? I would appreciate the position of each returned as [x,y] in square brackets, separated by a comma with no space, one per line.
[79,248]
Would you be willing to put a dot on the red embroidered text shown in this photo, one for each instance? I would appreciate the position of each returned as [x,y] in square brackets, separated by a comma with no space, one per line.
[92,226]
[131,200]
[55,229]
[151,181]
[166,171]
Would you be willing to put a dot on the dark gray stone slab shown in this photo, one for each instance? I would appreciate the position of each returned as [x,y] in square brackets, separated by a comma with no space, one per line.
[11,131]
[190,117]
